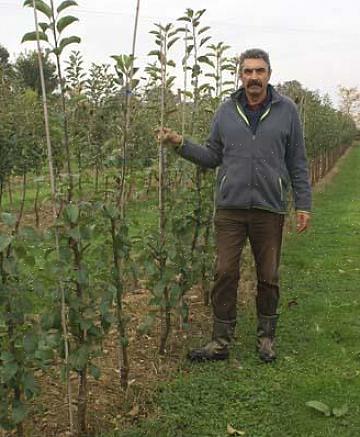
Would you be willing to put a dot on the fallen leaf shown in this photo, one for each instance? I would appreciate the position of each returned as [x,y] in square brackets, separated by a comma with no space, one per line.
[319,406]
[341,411]
[134,412]
[233,431]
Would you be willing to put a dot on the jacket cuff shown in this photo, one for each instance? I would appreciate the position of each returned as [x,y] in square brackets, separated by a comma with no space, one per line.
[178,148]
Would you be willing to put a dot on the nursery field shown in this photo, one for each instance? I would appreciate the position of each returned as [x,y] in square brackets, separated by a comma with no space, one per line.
[107,251]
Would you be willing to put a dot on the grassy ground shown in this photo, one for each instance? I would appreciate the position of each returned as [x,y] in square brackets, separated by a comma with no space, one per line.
[318,343]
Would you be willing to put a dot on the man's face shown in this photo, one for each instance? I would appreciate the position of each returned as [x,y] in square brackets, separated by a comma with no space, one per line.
[255,76]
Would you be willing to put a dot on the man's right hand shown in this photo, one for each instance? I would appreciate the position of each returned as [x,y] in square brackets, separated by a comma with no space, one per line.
[168,137]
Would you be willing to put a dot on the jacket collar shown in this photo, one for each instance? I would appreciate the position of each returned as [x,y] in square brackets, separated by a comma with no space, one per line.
[275,96]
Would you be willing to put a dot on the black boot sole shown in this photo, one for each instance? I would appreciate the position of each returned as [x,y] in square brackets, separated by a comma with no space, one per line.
[266,359]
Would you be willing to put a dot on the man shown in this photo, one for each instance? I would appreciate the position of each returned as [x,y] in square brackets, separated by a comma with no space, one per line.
[257,141]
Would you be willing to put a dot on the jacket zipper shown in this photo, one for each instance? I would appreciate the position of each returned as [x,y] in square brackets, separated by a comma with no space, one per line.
[243,116]
[223,179]
[281,189]
[265,113]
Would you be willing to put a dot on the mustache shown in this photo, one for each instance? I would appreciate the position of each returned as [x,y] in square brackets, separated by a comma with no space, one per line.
[254,82]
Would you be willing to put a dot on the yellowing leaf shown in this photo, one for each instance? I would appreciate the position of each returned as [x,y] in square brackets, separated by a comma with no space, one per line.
[319,406]
[341,411]
[233,431]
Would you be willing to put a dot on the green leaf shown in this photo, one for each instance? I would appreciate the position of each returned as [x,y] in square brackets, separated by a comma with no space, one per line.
[134,83]
[188,94]
[5,240]
[75,234]
[65,22]
[30,343]
[111,212]
[319,406]
[8,371]
[8,219]
[341,411]
[44,355]
[204,29]
[206,60]
[44,26]
[7,357]
[204,40]
[82,276]
[41,6]
[67,41]
[196,70]
[71,213]
[94,371]
[66,4]
[189,49]
[30,234]
[184,19]
[124,63]
[31,387]
[147,324]
[31,36]
[79,358]
[155,53]
[159,287]
[200,13]
[174,32]
[18,412]
[172,42]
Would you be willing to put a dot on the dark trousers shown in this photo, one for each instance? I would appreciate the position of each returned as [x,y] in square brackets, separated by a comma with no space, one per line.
[264,230]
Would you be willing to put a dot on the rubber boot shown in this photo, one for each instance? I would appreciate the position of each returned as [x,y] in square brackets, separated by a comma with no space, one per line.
[266,337]
[218,348]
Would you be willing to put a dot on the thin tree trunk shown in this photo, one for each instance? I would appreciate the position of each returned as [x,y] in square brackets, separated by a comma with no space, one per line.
[96,178]
[1,191]
[79,159]
[82,393]
[36,205]
[166,322]
[82,402]
[22,204]
[123,354]
[10,191]
[165,328]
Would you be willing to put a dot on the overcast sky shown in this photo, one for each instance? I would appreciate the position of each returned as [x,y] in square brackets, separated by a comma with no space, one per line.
[316,42]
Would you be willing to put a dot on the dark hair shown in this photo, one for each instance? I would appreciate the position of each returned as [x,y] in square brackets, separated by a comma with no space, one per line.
[255,54]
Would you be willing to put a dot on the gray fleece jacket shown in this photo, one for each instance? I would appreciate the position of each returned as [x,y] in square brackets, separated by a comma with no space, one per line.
[256,170]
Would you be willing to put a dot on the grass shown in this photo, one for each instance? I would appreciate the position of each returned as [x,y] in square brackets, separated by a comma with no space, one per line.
[318,343]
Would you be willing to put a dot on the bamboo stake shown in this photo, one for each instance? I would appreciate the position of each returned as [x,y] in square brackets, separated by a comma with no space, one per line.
[53,196]
[128,98]
[70,187]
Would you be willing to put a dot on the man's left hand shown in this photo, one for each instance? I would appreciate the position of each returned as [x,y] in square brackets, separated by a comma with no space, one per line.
[302,221]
